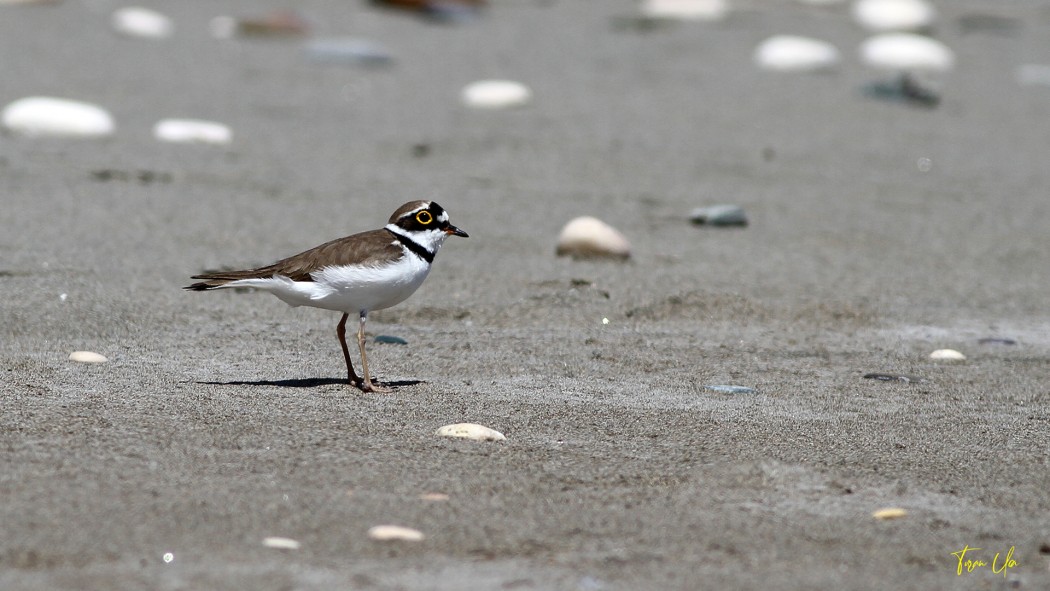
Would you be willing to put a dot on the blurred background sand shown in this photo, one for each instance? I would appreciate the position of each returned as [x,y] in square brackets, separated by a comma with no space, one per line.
[880,231]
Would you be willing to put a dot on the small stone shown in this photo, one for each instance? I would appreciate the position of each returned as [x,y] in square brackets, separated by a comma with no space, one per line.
[40,116]
[889,513]
[588,237]
[281,543]
[495,94]
[894,15]
[279,23]
[889,377]
[996,341]
[87,357]
[395,533]
[135,21]
[791,53]
[434,497]
[348,51]
[192,131]
[906,52]
[947,355]
[730,389]
[691,10]
[390,340]
[719,215]
[470,431]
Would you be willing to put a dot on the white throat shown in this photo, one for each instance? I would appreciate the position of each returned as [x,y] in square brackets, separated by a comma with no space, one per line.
[431,240]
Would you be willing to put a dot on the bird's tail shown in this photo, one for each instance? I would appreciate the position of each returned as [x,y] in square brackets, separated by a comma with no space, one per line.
[220,279]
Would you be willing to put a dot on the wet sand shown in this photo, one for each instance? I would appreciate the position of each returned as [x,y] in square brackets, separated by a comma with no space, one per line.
[880,231]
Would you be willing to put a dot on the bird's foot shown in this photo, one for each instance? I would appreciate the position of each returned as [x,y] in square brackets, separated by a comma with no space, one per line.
[370,386]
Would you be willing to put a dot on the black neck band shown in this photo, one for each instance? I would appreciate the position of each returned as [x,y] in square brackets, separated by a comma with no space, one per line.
[414,246]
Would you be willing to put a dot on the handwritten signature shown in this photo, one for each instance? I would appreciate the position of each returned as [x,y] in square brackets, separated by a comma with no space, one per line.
[969,564]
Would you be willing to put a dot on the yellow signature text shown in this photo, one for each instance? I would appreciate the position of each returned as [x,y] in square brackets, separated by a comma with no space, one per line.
[972,562]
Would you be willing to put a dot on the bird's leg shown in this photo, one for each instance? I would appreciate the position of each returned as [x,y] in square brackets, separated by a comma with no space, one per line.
[351,375]
[367,385]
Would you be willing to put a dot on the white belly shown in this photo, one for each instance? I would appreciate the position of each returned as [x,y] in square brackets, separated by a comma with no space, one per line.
[352,290]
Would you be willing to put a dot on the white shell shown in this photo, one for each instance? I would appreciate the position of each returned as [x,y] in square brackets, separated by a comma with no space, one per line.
[790,53]
[906,52]
[192,131]
[890,513]
[395,532]
[470,431]
[136,21]
[586,237]
[894,15]
[281,543]
[947,355]
[87,357]
[495,94]
[38,116]
[704,10]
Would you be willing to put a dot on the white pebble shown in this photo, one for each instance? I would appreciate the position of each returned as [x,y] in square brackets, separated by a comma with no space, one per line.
[39,116]
[906,52]
[790,53]
[496,94]
[135,21]
[696,10]
[281,543]
[395,533]
[192,131]
[894,15]
[87,357]
[588,237]
[471,431]
[947,355]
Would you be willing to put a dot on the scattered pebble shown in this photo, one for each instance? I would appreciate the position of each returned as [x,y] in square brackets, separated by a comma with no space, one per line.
[348,51]
[87,357]
[434,497]
[281,543]
[719,215]
[588,237]
[791,53]
[395,533]
[444,11]
[996,341]
[894,15]
[280,23]
[730,389]
[889,513]
[192,131]
[906,52]
[390,340]
[947,355]
[135,21]
[887,377]
[471,431]
[693,10]
[495,94]
[39,116]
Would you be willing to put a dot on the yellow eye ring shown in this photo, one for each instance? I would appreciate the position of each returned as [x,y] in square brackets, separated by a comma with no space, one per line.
[424,217]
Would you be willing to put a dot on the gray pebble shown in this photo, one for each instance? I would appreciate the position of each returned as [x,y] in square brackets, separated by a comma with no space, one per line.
[719,215]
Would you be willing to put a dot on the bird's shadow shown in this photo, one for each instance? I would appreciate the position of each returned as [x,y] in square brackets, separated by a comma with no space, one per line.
[306,383]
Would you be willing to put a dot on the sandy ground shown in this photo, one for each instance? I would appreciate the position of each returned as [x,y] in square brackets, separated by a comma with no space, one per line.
[880,232]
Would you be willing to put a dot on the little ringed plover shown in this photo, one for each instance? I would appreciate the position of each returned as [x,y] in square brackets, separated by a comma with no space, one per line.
[357,274]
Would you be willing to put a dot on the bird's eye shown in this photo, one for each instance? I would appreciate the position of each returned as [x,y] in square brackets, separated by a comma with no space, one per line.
[424,217]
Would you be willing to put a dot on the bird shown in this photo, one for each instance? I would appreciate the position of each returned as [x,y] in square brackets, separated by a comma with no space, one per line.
[357,274]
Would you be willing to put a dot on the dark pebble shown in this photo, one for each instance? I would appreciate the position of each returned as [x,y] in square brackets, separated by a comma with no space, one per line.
[890,377]
[996,341]
[390,340]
